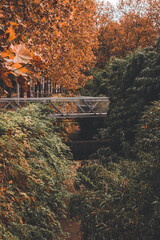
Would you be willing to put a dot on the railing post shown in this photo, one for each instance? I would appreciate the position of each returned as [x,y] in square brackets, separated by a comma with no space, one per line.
[18,92]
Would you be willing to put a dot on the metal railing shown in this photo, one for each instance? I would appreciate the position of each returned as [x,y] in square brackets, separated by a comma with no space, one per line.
[64,107]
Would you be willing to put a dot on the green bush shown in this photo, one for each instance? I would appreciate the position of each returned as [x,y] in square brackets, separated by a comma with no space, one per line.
[148,146]
[34,168]
[121,201]
[116,204]
[131,84]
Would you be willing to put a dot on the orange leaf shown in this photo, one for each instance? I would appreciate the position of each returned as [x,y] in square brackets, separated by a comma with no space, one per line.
[12,34]
[20,219]
[37,1]
[24,70]
[44,19]
[52,218]
[3,189]
[14,24]
[17,65]
[7,53]
[33,199]
[20,68]
[35,180]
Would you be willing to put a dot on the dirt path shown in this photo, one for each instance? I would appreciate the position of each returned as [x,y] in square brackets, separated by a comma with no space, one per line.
[73,228]
[69,226]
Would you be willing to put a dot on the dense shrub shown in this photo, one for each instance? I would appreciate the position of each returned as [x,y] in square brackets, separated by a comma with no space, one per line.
[34,168]
[121,201]
[131,84]
[148,146]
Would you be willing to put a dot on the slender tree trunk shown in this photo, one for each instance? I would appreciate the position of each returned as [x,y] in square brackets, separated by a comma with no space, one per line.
[8,89]
[50,88]
[39,86]
[21,92]
[29,92]
[35,90]
[54,88]
[46,88]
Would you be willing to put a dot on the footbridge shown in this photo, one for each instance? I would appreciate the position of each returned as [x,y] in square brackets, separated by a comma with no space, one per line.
[64,107]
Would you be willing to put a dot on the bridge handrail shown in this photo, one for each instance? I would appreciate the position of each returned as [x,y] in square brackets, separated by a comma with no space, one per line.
[65,107]
[55,99]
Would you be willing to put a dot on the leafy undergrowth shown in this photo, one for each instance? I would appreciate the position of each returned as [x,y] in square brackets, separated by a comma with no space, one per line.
[122,200]
[35,168]
[114,203]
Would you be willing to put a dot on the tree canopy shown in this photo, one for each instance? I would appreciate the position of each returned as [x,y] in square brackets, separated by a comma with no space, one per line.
[47,38]
[127,27]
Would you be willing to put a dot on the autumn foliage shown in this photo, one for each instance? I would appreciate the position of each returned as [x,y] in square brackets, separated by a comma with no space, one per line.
[47,38]
[34,170]
[129,26]
[60,39]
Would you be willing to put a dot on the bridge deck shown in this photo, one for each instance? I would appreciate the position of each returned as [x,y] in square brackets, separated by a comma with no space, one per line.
[65,107]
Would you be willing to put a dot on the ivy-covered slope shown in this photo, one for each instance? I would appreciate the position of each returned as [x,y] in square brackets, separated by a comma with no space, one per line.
[34,168]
